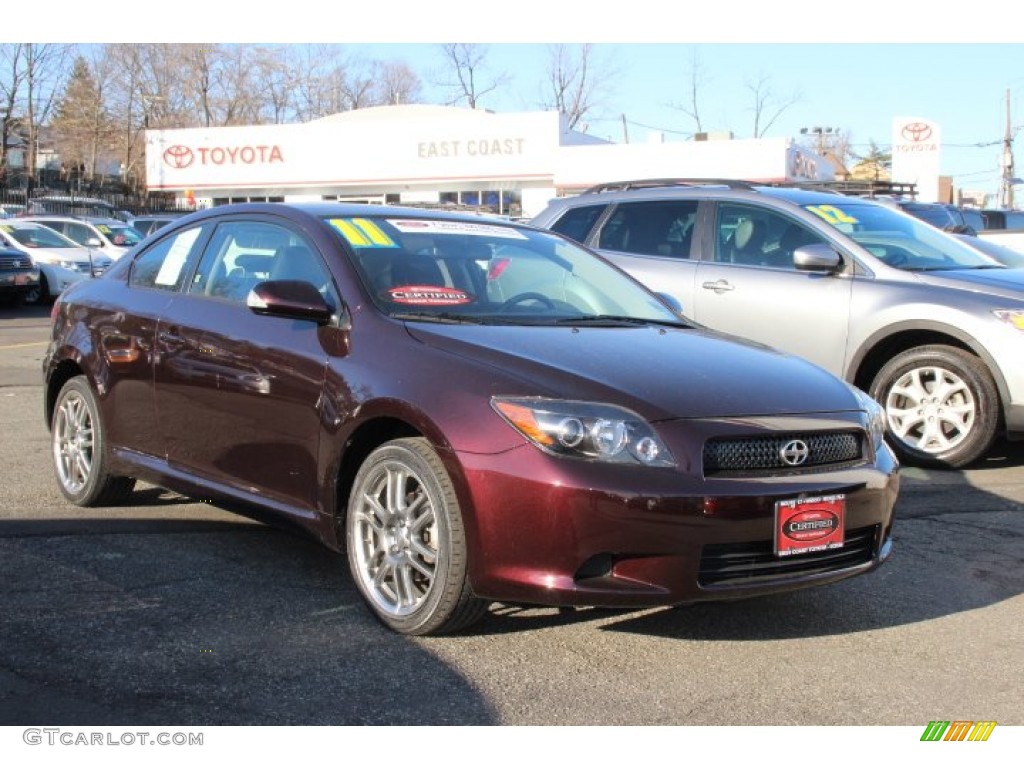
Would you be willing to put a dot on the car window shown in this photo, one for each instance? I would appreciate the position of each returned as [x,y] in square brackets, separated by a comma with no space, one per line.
[38,236]
[452,271]
[576,223]
[241,254]
[165,264]
[651,228]
[897,239]
[758,237]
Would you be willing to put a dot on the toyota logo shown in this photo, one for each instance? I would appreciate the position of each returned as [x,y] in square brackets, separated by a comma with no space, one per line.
[916,132]
[794,453]
[178,156]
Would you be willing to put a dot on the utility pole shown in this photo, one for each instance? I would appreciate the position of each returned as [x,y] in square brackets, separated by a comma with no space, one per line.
[1006,186]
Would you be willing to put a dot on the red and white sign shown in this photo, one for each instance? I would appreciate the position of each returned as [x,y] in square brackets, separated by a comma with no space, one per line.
[916,145]
[810,525]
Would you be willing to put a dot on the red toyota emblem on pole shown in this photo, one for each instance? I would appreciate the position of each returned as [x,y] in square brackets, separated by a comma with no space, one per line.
[916,132]
[178,156]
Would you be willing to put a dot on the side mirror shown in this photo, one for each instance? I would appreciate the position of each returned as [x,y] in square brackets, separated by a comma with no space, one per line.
[296,299]
[94,242]
[817,257]
[672,302]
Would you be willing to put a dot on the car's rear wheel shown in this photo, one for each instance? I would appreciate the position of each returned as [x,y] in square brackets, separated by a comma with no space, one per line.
[941,406]
[406,542]
[79,452]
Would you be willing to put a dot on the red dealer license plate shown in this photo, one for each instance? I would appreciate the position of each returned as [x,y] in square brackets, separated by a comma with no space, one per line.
[809,525]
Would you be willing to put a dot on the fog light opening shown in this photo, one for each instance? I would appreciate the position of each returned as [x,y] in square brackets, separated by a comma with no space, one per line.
[596,567]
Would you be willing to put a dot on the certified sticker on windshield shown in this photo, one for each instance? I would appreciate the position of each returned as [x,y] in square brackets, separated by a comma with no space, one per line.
[428,295]
[435,226]
[809,525]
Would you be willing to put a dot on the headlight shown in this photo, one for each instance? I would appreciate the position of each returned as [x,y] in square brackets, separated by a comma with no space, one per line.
[74,266]
[1014,317]
[876,417]
[585,430]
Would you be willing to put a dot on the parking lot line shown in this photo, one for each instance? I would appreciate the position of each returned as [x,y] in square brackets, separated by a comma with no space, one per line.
[26,344]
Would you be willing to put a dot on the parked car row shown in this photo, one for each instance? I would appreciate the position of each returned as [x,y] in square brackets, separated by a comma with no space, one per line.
[60,261]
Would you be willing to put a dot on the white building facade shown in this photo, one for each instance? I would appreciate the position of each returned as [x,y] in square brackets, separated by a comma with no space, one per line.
[510,163]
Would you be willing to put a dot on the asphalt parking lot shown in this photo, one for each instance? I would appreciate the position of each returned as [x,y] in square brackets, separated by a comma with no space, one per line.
[171,611]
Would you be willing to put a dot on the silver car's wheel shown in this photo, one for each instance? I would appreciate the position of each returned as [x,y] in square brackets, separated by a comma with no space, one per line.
[406,545]
[941,405]
[79,454]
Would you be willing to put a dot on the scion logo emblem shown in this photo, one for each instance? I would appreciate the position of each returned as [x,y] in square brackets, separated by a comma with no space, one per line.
[916,132]
[794,453]
[178,156]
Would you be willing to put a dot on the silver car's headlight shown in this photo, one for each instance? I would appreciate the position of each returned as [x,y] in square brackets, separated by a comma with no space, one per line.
[1014,317]
[585,430]
[876,417]
[74,266]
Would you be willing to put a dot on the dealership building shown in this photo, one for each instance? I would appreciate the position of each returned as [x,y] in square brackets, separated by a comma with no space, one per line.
[508,163]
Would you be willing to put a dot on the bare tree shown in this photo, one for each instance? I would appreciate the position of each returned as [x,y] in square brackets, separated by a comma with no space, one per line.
[767,106]
[467,76]
[576,80]
[697,78]
[396,83]
[45,65]
[11,77]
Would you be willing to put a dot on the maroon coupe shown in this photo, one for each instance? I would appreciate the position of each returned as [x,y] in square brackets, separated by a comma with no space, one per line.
[474,410]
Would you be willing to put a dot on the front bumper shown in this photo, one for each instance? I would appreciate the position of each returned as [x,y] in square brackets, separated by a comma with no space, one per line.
[553,531]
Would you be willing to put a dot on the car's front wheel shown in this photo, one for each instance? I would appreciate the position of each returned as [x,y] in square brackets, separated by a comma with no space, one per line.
[941,406]
[406,542]
[38,294]
[79,450]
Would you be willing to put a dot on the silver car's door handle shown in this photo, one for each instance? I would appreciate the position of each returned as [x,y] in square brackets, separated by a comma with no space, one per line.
[719,286]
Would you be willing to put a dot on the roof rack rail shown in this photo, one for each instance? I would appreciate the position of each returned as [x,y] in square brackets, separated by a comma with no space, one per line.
[622,186]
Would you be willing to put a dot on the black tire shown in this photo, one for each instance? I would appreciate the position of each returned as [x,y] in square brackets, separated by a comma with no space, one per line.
[406,542]
[38,296]
[78,445]
[941,406]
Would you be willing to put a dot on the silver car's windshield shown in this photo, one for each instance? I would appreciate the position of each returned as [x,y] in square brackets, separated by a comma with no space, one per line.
[445,270]
[37,236]
[898,239]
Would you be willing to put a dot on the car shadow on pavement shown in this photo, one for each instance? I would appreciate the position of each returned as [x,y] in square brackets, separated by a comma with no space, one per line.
[144,621]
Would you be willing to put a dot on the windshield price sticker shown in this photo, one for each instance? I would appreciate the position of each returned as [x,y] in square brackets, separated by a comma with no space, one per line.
[456,228]
[810,525]
[363,233]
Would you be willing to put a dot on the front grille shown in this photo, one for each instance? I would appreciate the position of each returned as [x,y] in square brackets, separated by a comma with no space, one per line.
[764,453]
[15,262]
[751,563]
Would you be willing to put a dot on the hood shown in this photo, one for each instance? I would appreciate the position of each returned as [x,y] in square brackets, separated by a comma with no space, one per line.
[660,373]
[80,255]
[1008,283]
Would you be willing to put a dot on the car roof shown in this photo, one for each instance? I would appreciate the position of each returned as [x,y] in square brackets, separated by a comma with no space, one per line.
[706,189]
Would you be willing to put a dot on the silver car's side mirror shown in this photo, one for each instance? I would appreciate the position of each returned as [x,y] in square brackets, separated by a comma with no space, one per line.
[817,257]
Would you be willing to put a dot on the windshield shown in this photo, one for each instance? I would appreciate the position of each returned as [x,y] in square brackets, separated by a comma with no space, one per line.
[37,236]
[445,270]
[121,235]
[898,239]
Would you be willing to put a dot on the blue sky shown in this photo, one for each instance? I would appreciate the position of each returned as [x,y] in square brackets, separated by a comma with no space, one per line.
[852,66]
[858,88]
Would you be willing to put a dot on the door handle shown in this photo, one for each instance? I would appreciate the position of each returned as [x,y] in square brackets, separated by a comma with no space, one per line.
[719,286]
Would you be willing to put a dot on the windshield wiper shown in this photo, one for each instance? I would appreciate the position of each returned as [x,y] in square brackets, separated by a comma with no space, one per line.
[616,320]
[441,317]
